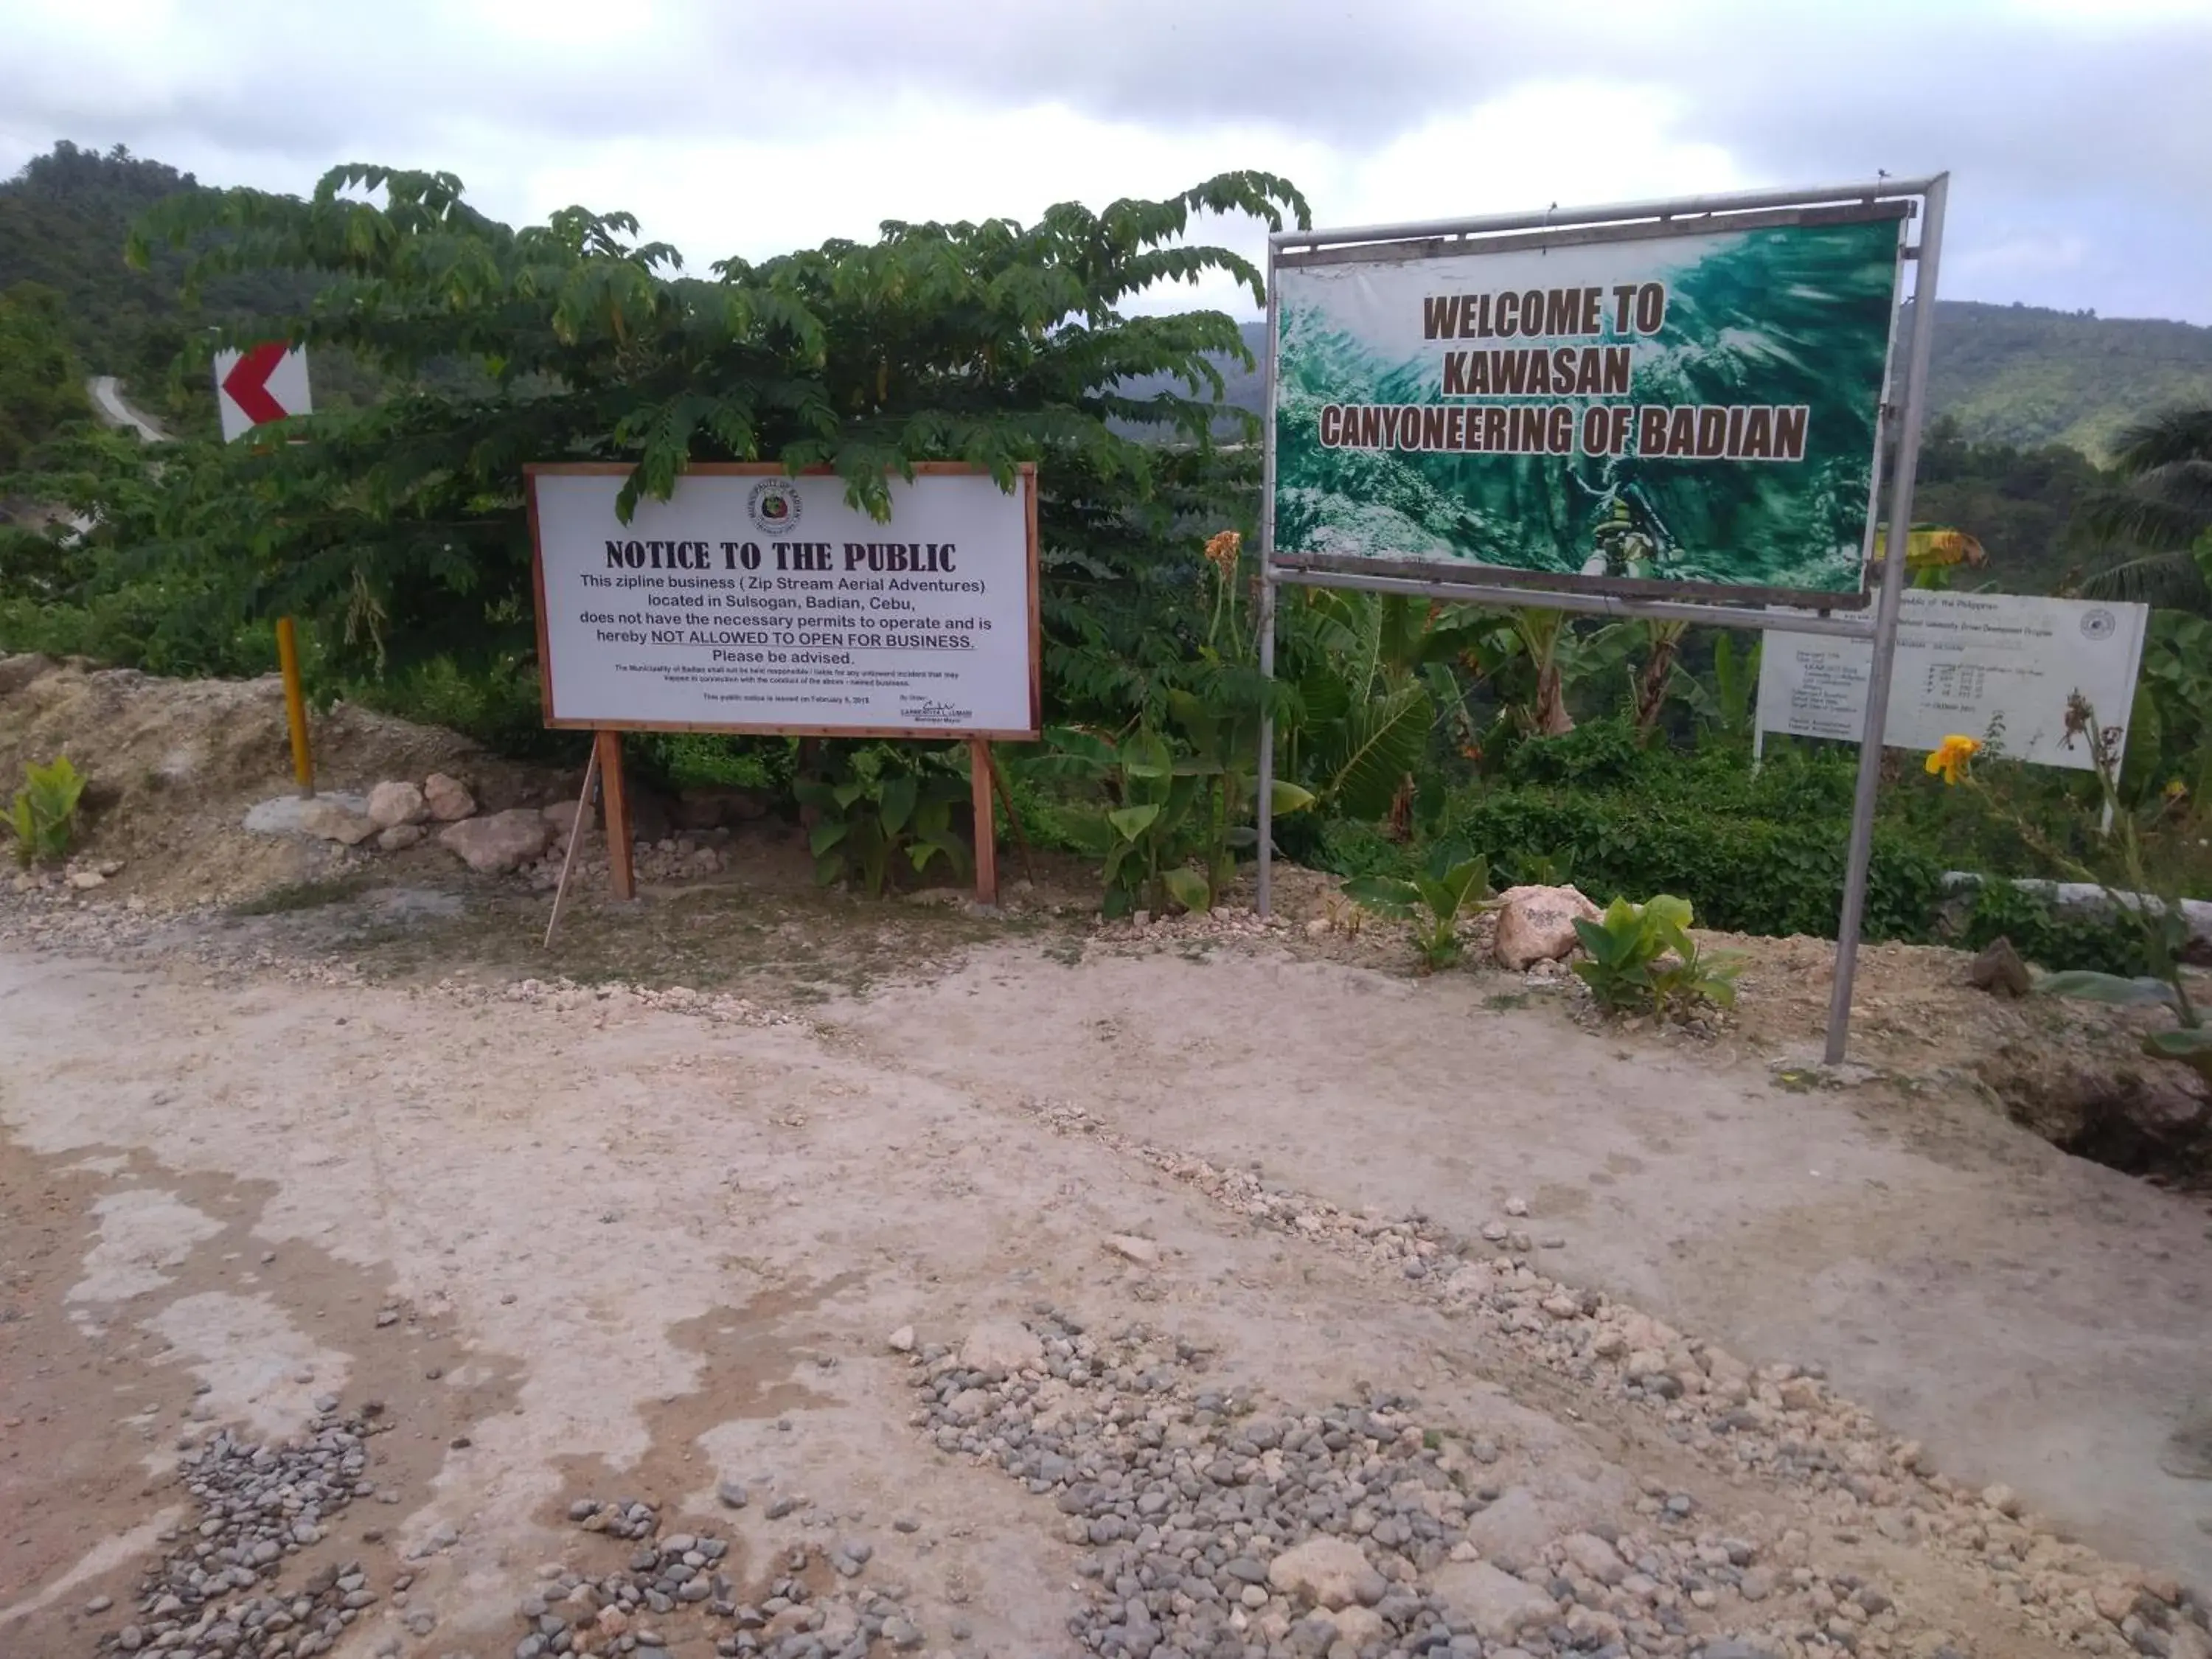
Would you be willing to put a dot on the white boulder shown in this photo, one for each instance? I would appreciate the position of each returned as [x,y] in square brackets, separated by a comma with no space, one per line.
[1537,924]
[503,842]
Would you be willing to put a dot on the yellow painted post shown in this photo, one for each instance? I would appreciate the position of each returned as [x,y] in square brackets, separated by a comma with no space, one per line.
[295,705]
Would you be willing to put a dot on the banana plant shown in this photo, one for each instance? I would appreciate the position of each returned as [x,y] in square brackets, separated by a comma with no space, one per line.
[1726,705]
[1367,697]
[1166,812]
[1639,956]
[1654,681]
[1225,755]
[1531,659]
[1430,903]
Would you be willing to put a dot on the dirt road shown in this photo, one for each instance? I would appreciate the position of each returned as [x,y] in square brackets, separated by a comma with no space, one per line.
[1202,1254]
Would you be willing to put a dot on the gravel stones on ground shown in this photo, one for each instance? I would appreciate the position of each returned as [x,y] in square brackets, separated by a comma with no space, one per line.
[615,996]
[1203,1526]
[1326,1572]
[218,1594]
[675,1577]
[1778,1427]
[1001,1348]
[1499,1605]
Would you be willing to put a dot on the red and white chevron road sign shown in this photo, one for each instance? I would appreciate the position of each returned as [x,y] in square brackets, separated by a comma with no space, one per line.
[257,386]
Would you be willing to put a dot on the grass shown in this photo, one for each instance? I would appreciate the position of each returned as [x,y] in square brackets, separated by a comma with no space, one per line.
[781,949]
[304,895]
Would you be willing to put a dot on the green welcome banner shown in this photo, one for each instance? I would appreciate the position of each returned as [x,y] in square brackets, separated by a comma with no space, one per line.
[1677,414]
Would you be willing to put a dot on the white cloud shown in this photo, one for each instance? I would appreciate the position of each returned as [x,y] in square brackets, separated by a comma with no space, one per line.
[743,127]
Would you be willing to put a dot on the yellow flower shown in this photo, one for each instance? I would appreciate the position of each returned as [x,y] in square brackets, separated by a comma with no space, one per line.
[1221,552]
[1952,756]
[2176,789]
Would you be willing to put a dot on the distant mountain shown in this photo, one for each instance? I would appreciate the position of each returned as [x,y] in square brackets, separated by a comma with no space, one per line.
[2010,374]
[2022,376]
[63,221]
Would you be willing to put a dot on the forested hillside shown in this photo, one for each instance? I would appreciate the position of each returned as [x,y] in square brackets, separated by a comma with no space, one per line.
[2018,374]
[2022,376]
[62,224]
[63,221]
[2028,398]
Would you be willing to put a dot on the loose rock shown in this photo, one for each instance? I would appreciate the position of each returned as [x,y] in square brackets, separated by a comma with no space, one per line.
[447,799]
[502,842]
[1537,924]
[393,804]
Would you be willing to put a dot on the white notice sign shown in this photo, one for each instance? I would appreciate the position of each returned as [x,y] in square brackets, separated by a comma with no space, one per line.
[751,601]
[1996,666]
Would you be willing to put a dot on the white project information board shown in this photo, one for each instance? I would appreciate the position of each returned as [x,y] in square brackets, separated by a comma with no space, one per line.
[1995,666]
[753,601]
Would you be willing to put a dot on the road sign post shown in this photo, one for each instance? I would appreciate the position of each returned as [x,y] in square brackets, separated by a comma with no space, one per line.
[252,388]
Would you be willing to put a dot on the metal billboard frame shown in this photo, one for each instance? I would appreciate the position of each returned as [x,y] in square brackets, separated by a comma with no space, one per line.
[1903,411]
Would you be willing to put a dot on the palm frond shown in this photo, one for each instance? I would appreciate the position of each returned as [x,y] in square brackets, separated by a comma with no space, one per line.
[2171,438]
[2166,581]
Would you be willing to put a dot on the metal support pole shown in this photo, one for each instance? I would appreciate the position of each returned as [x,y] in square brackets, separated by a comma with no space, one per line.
[1263,892]
[1886,612]
[295,706]
[1263,885]
[1458,590]
[1676,208]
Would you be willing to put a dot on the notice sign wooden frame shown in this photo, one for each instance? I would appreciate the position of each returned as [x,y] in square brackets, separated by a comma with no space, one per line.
[755,601]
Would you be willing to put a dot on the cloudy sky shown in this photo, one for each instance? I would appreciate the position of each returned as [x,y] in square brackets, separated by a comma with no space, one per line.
[2078,132]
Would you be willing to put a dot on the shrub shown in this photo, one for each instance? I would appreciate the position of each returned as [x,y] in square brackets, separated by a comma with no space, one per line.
[875,805]
[43,818]
[2108,943]
[1430,903]
[1605,754]
[708,760]
[1744,872]
[1640,957]
[1345,847]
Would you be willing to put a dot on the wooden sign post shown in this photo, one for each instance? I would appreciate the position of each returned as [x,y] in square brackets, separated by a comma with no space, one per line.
[756,601]
[614,792]
[979,774]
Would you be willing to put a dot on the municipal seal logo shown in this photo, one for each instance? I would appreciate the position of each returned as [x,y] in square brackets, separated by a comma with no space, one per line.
[2099,624]
[773,506]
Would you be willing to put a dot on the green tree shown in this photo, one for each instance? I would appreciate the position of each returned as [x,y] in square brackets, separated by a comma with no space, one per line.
[41,387]
[398,529]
